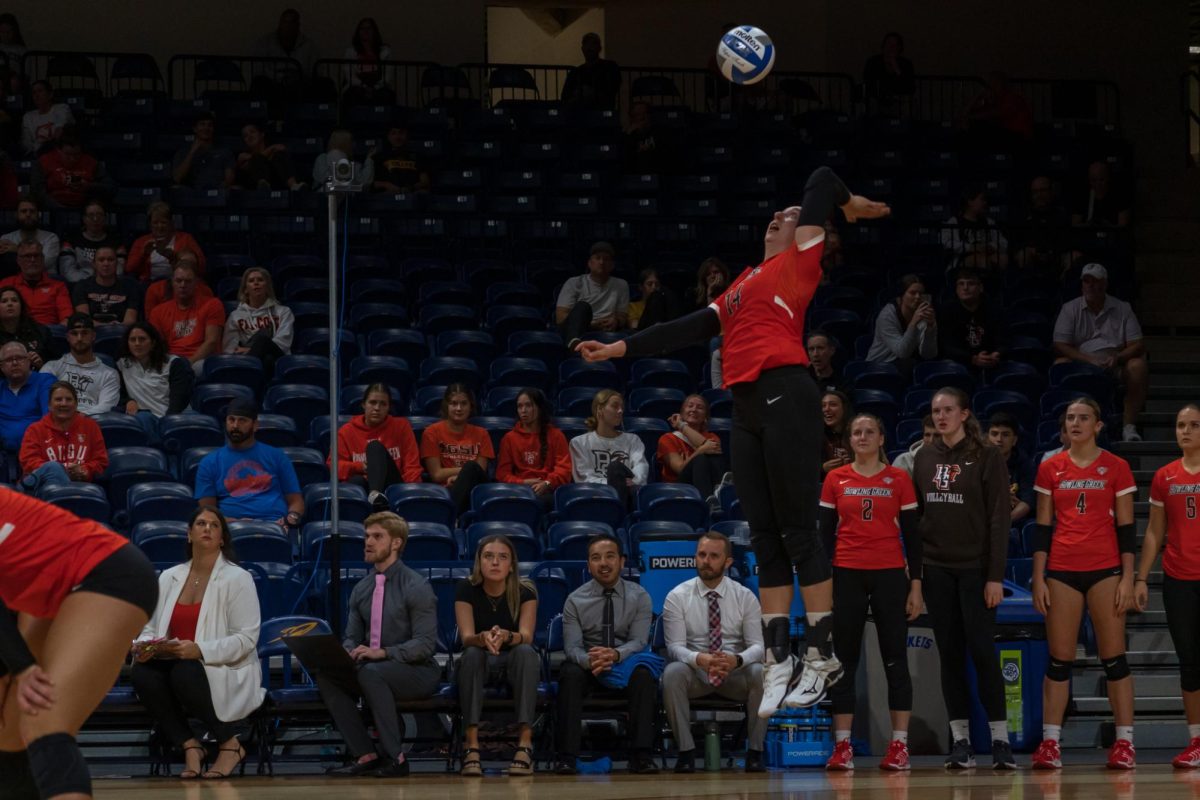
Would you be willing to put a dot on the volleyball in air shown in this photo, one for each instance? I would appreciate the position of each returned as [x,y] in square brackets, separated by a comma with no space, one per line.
[745,54]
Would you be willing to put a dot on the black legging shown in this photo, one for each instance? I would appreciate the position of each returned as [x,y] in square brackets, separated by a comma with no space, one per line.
[776,457]
[174,690]
[1181,599]
[470,476]
[263,347]
[962,624]
[381,469]
[884,591]
[577,323]
[704,472]
[617,475]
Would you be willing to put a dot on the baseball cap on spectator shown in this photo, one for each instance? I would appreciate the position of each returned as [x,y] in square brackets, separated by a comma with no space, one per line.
[242,408]
[1096,271]
[602,247]
[80,320]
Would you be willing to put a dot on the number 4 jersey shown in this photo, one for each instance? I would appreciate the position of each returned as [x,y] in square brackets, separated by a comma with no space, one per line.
[1177,491]
[868,510]
[1085,499]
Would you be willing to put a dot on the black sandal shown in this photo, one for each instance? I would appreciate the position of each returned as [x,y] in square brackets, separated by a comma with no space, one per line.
[516,767]
[471,767]
[195,773]
[213,775]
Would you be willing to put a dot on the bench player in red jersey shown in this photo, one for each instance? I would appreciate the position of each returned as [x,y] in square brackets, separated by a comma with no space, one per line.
[1084,559]
[73,595]
[1175,514]
[776,435]
[876,566]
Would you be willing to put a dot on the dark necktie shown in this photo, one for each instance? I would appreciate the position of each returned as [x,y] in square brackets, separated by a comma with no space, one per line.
[607,621]
[715,639]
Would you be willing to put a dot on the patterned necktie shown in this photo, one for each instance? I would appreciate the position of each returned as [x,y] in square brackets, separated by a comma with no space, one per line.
[715,639]
[377,610]
[606,623]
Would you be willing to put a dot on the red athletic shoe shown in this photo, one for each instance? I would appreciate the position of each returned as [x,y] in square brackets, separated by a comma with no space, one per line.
[1190,757]
[1047,756]
[896,759]
[1121,756]
[842,758]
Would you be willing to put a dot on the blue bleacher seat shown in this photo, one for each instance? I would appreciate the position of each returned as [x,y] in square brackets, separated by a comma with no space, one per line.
[309,465]
[435,319]
[378,290]
[654,402]
[553,586]
[450,293]
[422,502]
[301,402]
[987,402]
[290,686]
[85,500]
[576,372]
[427,400]
[309,369]
[315,341]
[162,540]
[352,502]
[671,502]
[212,398]
[189,462]
[529,548]
[128,466]
[229,368]
[917,402]
[667,373]
[260,541]
[588,502]
[429,541]
[374,316]
[496,427]
[303,290]
[318,432]
[389,370]
[400,342]
[545,345]
[317,537]
[907,432]
[121,430]
[660,528]
[568,539]
[576,401]
[880,403]
[443,371]
[159,500]
[307,315]
[501,401]
[477,346]
[720,402]
[508,502]
[505,321]
[510,371]
[512,294]
[649,430]
[1016,376]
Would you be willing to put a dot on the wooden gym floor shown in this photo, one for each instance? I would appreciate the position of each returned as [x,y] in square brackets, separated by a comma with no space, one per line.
[1090,781]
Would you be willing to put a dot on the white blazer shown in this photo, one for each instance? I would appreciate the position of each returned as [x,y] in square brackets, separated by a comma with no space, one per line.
[226,633]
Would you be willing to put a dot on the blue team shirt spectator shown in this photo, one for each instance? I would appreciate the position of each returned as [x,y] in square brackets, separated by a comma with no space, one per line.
[249,483]
[22,408]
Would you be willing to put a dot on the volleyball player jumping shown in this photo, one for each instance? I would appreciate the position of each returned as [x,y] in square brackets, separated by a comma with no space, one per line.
[777,432]
[81,593]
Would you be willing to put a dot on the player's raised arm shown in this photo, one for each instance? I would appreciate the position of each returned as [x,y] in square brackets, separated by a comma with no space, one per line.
[822,193]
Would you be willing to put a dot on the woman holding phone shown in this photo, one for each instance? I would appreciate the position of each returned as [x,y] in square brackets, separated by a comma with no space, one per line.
[906,329]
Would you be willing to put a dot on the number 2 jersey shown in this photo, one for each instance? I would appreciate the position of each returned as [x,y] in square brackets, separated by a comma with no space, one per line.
[762,313]
[1177,492]
[45,552]
[868,511]
[1085,499]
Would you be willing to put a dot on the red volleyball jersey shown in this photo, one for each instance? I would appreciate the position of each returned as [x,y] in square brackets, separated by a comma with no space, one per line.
[45,552]
[762,313]
[1177,492]
[868,509]
[1085,499]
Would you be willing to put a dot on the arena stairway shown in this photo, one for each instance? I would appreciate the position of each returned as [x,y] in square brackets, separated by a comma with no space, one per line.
[1158,708]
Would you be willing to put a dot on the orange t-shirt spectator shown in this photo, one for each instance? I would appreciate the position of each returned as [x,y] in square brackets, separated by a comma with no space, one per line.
[191,327]
[157,294]
[47,299]
[151,256]
[455,453]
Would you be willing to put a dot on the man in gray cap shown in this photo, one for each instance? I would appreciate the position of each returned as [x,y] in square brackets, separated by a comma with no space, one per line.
[1097,328]
[594,301]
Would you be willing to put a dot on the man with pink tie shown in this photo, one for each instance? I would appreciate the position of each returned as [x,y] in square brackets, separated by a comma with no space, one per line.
[391,631]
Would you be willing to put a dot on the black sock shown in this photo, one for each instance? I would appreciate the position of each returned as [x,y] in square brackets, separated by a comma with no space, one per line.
[777,637]
[820,636]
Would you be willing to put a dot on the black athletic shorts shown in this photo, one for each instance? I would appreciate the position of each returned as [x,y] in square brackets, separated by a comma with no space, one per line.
[126,575]
[1082,580]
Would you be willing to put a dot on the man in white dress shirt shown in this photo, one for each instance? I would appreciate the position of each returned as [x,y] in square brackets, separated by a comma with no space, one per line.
[713,629]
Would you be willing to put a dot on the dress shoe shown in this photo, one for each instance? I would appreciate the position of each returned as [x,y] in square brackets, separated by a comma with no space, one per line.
[355,769]
[392,769]
[754,761]
[686,763]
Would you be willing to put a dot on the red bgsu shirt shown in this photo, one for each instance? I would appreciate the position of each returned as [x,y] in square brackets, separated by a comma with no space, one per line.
[1177,492]
[868,509]
[762,313]
[1085,499]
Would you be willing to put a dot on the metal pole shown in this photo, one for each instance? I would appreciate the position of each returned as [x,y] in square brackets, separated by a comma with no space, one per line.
[335,540]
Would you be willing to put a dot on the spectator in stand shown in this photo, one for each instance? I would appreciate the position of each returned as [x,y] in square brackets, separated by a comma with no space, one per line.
[97,385]
[17,326]
[43,124]
[534,452]
[594,300]
[24,399]
[888,74]
[596,82]
[605,455]
[341,145]
[646,152]
[972,238]
[654,297]
[397,169]
[262,165]
[713,630]
[203,165]
[712,279]
[108,296]
[154,383]
[62,446]
[906,329]
[12,48]
[376,450]
[286,41]
[455,453]
[28,220]
[1104,205]
[67,177]
[969,332]
[835,448]
[1042,251]
[76,262]
[1004,432]
[999,115]
[247,479]
[190,326]
[692,453]
[260,326]
[365,78]
[153,254]
[1064,440]
[163,290]
[822,349]
[1097,328]
[904,461]
[496,612]
[47,298]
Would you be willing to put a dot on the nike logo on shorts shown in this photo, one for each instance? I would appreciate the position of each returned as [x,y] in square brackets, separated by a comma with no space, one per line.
[771,400]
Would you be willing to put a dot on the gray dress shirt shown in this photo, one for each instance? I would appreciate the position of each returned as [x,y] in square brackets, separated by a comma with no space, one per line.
[409,631]
[583,620]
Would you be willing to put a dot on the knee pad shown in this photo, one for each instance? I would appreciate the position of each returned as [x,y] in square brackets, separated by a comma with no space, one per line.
[1116,668]
[58,766]
[16,777]
[1059,670]
[1189,677]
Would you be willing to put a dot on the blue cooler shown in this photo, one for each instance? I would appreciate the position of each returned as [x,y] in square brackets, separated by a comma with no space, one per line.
[664,564]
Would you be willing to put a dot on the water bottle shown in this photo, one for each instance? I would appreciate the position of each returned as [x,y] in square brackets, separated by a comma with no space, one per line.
[712,748]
